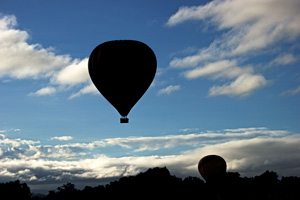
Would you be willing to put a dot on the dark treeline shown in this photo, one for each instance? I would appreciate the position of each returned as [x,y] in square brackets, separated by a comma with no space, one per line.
[159,184]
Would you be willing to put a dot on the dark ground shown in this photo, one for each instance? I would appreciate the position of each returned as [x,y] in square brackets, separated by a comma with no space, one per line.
[157,183]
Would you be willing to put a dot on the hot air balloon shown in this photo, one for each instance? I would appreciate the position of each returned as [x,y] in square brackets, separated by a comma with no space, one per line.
[212,167]
[122,71]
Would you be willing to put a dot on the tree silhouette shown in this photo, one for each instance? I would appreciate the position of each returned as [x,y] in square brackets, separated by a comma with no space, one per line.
[66,191]
[14,190]
[158,183]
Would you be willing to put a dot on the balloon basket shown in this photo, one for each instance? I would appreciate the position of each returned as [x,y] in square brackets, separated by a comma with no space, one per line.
[124,120]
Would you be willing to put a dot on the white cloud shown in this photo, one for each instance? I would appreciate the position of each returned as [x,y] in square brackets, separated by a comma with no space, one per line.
[245,80]
[242,86]
[191,13]
[192,60]
[248,26]
[7,22]
[211,68]
[19,60]
[62,138]
[254,24]
[89,89]
[292,91]
[219,69]
[261,22]
[73,74]
[284,59]
[188,129]
[44,91]
[254,156]
[250,151]
[9,130]
[170,89]
[16,142]
[139,144]
[195,139]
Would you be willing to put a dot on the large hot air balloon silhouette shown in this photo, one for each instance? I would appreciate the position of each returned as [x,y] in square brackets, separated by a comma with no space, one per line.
[122,71]
[212,167]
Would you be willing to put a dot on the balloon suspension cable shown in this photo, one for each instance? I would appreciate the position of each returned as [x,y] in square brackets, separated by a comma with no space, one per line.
[124,119]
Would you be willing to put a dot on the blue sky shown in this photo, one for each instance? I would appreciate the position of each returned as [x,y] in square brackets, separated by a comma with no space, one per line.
[228,82]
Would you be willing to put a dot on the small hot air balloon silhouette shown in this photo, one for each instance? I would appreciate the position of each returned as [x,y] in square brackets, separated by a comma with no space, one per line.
[212,167]
[122,71]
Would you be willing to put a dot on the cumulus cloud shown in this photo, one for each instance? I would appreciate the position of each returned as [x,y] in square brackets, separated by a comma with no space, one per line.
[248,26]
[44,91]
[250,151]
[75,73]
[89,89]
[246,81]
[4,141]
[242,86]
[192,60]
[219,69]
[254,156]
[19,59]
[170,89]
[261,22]
[62,138]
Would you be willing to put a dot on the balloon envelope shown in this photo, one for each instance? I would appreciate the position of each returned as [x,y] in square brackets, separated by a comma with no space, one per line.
[122,71]
[212,167]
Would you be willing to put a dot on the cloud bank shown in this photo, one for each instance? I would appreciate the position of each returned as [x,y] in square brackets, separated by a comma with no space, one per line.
[249,27]
[21,60]
[250,151]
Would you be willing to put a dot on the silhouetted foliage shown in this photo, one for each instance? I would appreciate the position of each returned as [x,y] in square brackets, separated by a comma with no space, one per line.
[158,183]
[67,191]
[14,190]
